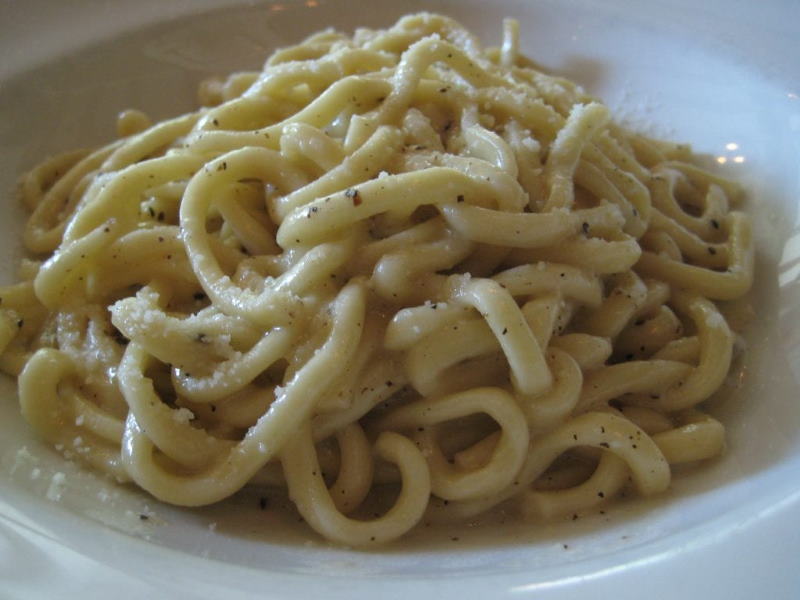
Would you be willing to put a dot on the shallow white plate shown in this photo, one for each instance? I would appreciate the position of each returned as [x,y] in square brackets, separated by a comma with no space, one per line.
[724,76]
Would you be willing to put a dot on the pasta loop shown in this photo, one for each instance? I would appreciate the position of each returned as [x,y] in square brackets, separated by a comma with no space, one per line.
[394,275]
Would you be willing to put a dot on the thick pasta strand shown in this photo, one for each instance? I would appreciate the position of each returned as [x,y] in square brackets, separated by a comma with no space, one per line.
[393,270]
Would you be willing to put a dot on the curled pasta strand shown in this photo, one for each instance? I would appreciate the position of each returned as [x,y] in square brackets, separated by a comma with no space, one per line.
[596,255]
[686,349]
[651,421]
[354,479]
[346,92]
[177,438]
[248,162]
[526,230]
[609,319]
[242,113]
[489,146]
[306,142]
[54,416]
[355,168]
[371,253]
[256,234]
[214,91]
[717,285]
[484,260]
[544,411]
[646,336]
[505,460]
[307,490]
[319,73]
[381,380]
[393,261]
[618,151]
[527,153]
[583,123]
[636,193]
[648,377]
[119,198]
[237,412]
[234,374]
[665,186]
[606,181]
[293,405]
[529,371]
[494,186]
[716,350]
[138,258]
[406,191]
[36,183]
[542,315]
[23,318]
[589,351]
[537,115]
[699,251]
[419,131]
[406,275]
[352,377]
[702,178]
[52,209]
[697,437]
[510,49]
[409,325]
[83,333]
[145,143]
[606,481]
[533,279]
[58,277]
[429,361]
[647,465]
[413,27]
[416,60]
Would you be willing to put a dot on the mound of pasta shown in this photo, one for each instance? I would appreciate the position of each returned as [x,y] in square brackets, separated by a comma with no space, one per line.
[395,264]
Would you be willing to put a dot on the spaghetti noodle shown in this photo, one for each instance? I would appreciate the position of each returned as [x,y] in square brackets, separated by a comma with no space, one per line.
[395,260]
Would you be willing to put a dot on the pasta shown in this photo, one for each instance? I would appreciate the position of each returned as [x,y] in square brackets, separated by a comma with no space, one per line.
[394,264]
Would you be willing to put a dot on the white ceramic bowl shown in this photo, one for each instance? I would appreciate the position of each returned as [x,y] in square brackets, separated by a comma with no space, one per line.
[724,76]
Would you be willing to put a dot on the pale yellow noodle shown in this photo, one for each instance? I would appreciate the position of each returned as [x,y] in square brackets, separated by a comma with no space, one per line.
[397,275]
